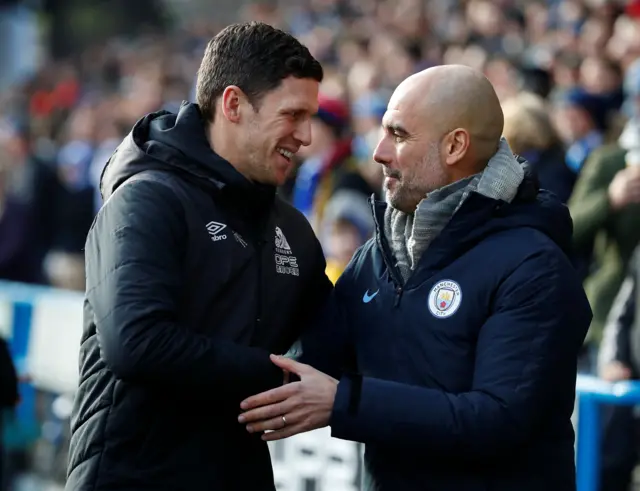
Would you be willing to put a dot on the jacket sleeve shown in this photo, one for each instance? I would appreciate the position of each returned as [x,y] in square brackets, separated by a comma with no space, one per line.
[589,203]
[525,362]
[134,284]
[616,340]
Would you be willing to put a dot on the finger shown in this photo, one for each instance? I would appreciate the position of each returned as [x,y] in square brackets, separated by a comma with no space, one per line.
[285,432]
[266,412]
[266,425]
[269,397]
[289,364]
[274,424]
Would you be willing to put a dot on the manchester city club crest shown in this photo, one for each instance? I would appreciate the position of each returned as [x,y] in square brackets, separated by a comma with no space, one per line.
[445,298]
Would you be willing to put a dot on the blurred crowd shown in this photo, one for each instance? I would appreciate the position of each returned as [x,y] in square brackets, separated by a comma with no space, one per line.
[566,71]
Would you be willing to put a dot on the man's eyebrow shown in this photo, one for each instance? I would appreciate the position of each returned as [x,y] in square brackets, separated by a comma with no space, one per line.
[396,128]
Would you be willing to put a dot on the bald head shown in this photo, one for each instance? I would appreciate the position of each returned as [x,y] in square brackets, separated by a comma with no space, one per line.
[442,125]
[451,97]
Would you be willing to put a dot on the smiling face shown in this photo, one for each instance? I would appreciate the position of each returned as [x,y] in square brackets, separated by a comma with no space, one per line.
[273,132]
[410,154]
[441,125]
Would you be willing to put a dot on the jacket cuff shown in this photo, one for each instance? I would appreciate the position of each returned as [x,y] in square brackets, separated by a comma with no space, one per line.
[346,405]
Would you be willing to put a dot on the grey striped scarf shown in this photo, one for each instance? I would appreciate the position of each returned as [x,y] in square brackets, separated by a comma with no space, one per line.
[409,235]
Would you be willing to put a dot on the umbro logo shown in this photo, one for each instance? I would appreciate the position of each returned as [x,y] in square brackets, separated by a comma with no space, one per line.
[215,229]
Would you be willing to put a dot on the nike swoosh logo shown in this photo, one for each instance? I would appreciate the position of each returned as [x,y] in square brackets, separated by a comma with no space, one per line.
[367,298]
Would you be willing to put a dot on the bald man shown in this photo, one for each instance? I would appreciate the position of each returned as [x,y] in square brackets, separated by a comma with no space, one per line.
[450,348]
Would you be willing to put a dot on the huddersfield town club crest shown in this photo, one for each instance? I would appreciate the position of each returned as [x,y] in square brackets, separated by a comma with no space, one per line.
[445,298]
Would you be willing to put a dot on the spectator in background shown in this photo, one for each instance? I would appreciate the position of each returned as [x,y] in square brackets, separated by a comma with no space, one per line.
[537,81]
[367,111]
[27,188]
[600,76]
[605,208]
[109,137]
[581,119]
[531,134]
[74,201]
[347,223]
[15,225]
[327,156]
[330,188]
[619,359]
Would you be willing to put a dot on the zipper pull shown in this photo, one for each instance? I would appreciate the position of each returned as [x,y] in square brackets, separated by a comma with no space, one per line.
[399,291]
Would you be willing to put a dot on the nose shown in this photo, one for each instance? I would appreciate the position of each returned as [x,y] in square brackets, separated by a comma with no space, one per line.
[303,132]
[383,154]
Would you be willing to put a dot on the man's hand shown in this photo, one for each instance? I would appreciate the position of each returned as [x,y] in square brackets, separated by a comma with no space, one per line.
[625,188]
[305,405]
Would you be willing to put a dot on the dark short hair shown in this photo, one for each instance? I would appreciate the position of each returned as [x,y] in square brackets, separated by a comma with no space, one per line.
[254,56]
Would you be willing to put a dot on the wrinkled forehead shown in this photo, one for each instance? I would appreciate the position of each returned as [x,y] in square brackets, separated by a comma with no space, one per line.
[392,118]
[404,115]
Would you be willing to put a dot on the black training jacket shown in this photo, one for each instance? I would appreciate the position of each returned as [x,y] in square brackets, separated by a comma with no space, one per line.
[194,276]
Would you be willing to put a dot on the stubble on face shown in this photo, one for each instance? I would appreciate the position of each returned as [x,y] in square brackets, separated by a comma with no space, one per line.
[412,185]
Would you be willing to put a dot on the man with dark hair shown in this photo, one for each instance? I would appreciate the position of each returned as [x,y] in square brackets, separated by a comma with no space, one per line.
[196,271]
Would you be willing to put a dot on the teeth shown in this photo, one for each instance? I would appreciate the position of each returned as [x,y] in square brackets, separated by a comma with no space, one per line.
[285,153]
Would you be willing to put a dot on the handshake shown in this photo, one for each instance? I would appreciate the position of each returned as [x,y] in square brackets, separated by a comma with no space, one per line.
[296,407]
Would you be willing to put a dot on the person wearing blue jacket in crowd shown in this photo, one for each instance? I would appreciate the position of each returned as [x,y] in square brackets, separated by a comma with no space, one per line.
[453,358]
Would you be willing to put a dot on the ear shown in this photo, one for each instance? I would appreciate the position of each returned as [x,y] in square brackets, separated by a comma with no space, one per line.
[456,145]
[230,103]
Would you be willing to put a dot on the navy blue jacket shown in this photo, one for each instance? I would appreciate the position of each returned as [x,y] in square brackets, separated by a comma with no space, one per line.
[463,378]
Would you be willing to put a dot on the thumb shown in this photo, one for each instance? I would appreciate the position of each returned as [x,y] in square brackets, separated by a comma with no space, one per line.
[288,364]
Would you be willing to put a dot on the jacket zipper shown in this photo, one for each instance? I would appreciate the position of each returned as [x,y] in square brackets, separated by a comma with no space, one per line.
[395,276]
[260,244]
[398,286]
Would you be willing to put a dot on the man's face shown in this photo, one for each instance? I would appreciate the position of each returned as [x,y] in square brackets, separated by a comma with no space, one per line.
[410,154]
[274,132]
[572,122]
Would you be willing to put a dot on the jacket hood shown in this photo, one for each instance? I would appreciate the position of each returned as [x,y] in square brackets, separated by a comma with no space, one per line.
[481,216]
[535,208]
[176,143]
